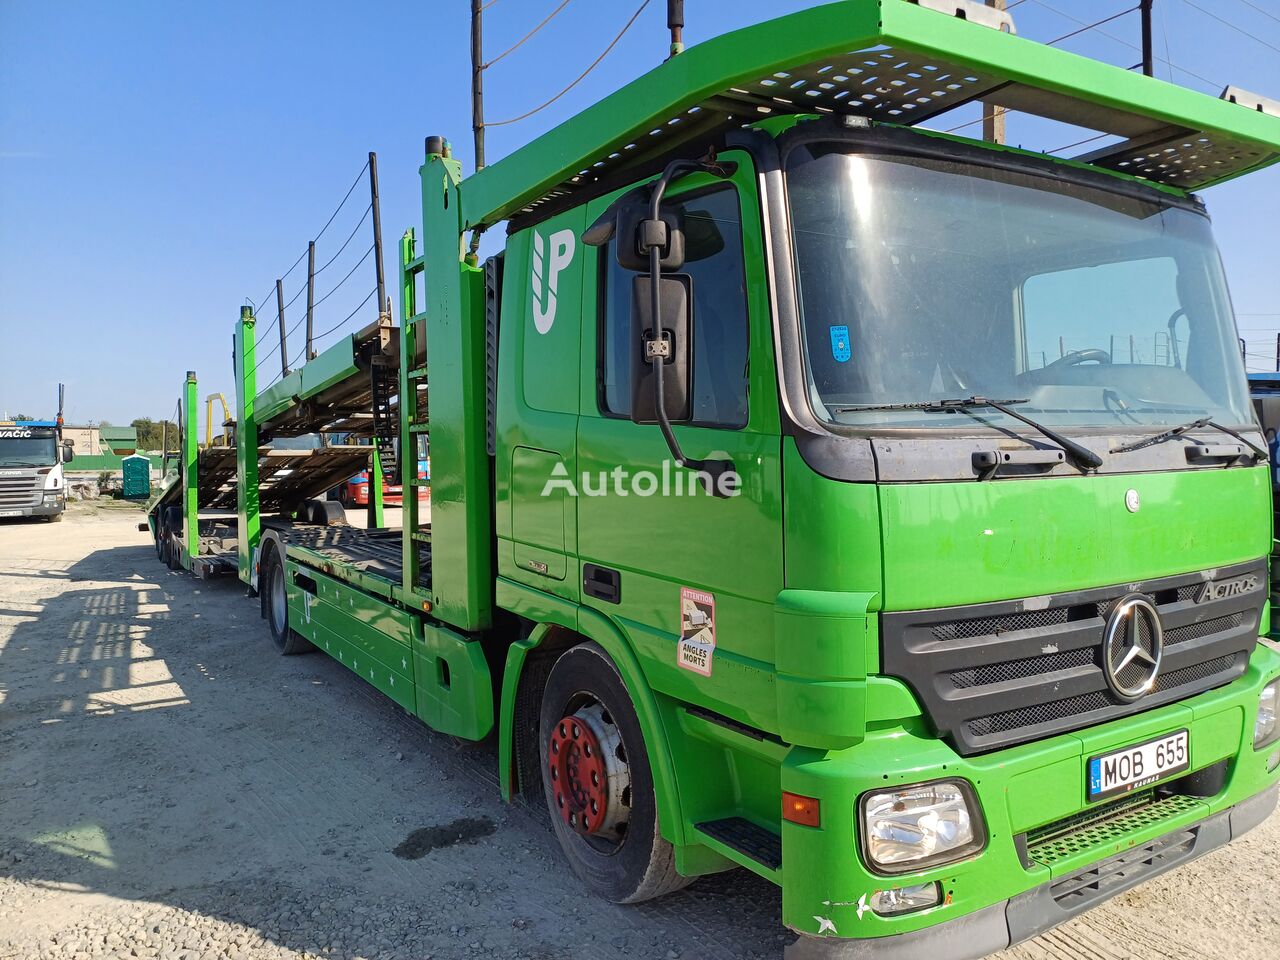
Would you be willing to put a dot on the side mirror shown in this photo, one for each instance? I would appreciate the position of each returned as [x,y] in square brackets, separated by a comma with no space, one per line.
[68,454]
[673,344]
[633,251]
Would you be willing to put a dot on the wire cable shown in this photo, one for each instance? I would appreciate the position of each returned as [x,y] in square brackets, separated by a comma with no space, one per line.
[1093,26]
[320,270]
[1249,3]
[607,50]
[1240,30]
[355,183]
[346,278]
[272,290]
[1085,27]
[1081,143]
[349,315]
[528,36]
[1129,44]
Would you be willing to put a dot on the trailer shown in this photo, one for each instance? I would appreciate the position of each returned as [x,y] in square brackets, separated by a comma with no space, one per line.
[194,518]
[765,533]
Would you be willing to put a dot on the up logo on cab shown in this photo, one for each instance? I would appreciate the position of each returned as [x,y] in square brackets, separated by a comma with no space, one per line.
[545,276]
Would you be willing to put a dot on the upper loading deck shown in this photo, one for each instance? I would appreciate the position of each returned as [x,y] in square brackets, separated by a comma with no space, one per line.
[889,61]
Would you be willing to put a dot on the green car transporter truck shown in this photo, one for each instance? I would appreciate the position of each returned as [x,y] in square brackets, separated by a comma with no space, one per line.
[869,507]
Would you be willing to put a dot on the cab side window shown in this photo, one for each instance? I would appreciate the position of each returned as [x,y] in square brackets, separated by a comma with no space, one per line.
[714,259]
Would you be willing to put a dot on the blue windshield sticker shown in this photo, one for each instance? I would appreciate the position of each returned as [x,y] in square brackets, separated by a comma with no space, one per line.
[840,344]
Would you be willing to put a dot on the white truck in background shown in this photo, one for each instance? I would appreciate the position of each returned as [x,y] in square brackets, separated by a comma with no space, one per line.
[32,454]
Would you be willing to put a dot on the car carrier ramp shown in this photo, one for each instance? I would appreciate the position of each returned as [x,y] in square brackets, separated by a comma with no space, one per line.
[338,391]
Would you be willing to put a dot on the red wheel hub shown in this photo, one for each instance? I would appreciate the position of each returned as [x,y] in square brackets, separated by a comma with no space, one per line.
[578,776]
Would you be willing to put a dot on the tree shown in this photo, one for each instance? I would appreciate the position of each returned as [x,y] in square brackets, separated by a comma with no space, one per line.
[153,433]
[22,416]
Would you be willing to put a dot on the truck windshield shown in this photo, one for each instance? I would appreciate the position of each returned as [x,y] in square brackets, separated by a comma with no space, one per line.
[923,278]
[27,452]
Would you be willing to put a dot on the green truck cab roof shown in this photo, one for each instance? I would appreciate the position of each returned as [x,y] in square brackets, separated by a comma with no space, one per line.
[886,60]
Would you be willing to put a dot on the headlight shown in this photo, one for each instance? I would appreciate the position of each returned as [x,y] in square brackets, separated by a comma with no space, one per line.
[888,903]
[1265,729]
[925,825]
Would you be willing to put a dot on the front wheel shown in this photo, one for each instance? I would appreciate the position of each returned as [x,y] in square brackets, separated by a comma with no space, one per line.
[287,640]
[598,783]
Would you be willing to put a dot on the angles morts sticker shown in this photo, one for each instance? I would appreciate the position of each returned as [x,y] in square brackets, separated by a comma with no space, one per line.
[697,631]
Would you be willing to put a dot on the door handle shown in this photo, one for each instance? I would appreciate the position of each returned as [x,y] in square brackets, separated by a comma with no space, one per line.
[602,583]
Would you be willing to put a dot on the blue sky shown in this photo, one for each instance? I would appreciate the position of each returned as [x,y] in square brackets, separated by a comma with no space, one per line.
[161,162]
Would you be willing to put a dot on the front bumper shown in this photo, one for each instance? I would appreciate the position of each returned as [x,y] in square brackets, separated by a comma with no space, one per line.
[1030,914]
[47,508]
[1007,893]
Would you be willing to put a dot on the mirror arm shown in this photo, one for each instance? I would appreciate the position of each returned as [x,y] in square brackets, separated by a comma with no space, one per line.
[711,470]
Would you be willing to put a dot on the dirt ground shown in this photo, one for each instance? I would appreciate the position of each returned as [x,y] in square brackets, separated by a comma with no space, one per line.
[172,788]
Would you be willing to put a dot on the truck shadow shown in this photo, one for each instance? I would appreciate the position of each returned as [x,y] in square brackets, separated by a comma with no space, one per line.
[155,748]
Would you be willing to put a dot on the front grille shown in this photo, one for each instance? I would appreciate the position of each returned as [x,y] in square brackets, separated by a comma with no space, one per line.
[992,675]
[21,491]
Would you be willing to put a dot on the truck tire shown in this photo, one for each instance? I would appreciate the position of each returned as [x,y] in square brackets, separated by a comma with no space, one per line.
[598,783]
[287,640]
[55,517]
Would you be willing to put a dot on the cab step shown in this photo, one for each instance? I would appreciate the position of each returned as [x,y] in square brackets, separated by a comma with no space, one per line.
[749,839]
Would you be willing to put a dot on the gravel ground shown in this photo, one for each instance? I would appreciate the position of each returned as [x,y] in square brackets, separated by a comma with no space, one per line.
[171,788]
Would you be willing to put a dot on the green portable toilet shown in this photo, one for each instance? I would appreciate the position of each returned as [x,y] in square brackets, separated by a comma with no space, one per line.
[137,477]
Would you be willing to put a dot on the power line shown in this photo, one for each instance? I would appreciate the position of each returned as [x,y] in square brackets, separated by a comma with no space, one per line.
[1247,3]
[1075,33]
[1093,26]
[607,50]
[1240,30]
[1130,45]
[1081,143]
[528,36]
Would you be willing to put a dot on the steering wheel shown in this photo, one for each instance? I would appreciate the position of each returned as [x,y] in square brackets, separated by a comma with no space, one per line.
[1076,357]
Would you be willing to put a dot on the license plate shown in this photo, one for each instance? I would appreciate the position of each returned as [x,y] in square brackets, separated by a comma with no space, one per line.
[1123,771]
[10,513]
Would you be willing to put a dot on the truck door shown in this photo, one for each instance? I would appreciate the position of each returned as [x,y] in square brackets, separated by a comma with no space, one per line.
[690,578]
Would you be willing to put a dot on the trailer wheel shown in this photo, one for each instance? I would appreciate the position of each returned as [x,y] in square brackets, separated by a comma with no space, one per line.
[597,781]
[287,640]
[172,526]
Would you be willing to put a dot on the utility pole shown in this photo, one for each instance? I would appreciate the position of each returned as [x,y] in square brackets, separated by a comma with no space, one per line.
[1148,44]
[477,80]
[675,23]
[992,116]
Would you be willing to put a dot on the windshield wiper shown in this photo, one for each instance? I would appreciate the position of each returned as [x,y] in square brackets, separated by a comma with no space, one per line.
[1080,455]
[1187,428]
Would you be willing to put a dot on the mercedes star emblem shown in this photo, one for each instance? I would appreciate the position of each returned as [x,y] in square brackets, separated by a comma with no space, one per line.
[1133,648]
